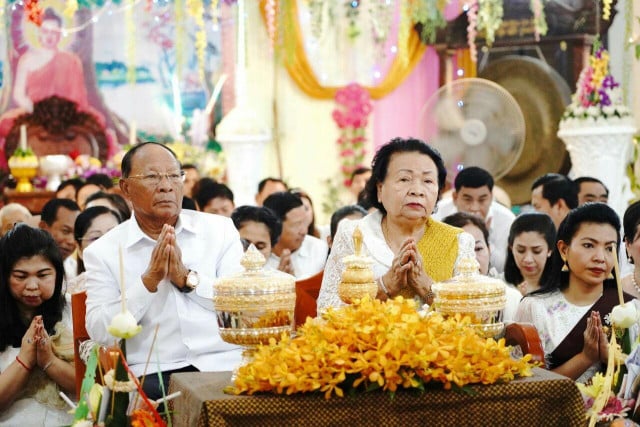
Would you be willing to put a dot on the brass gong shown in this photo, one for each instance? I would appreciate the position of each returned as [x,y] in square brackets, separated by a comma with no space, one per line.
[542,95]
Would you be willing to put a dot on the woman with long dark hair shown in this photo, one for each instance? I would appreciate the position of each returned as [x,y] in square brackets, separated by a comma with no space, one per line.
[532,237]
[36,341]
[570,307]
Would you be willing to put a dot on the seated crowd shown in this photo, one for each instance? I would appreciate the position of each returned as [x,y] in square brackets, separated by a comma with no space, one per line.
[179,232]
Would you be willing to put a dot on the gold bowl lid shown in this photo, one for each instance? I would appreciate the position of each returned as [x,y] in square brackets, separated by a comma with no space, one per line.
[468,284]
[255,279]
[358,259]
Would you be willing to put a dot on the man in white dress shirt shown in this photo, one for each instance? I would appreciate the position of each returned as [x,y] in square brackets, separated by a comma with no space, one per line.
[473,194]
[171,259]
[296,252]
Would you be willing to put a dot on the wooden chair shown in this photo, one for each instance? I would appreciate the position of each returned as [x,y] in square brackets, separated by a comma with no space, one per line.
[307,291]
[80,334]
[526,336]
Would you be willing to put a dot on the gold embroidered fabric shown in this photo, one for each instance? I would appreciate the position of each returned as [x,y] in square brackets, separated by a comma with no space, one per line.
[438,248]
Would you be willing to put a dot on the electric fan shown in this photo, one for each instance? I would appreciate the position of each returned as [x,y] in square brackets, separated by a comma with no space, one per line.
[474,122]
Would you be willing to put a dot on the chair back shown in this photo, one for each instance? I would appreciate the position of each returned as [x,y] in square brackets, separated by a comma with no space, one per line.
[307,291]
[80,334]
[526,336]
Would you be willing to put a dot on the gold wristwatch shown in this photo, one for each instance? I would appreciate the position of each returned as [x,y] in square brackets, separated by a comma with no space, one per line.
[192,282]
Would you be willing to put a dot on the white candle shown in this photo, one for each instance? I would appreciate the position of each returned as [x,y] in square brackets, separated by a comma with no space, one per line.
[133,137]
[23,137]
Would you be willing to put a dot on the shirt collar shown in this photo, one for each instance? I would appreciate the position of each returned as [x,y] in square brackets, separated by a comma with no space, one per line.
[135,233]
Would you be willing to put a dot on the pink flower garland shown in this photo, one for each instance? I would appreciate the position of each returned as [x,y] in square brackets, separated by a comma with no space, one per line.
[351,115]
[270,9]
[472,29]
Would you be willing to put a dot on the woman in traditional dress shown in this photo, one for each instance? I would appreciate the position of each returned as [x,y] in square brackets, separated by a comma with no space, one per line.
[630,222]
[569,309]
[36,341]
[410,250]
[532,238]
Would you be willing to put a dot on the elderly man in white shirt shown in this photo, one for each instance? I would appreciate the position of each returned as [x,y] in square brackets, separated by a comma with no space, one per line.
[473,194]
[171,258]
[296,252]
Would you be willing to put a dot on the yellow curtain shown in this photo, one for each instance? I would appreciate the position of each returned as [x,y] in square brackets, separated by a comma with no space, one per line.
[302,73]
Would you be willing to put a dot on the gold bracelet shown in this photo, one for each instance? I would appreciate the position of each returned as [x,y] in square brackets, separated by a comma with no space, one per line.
[429,296]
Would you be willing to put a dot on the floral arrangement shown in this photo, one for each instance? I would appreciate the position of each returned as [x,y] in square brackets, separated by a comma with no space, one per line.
[85,166]
[374,344]
[351,115]
[110,405]
[615,406]
[598,97]
[608,396]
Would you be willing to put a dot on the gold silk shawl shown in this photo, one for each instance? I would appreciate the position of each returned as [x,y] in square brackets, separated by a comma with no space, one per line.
[438,248]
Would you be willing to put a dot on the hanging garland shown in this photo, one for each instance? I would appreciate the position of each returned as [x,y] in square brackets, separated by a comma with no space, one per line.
[606,9]
[472,32]
[428,13]
[214,13]
[490,13]
[351,115]
[539,19]
[195,9]
[34,11]
[404,31]
[271,13]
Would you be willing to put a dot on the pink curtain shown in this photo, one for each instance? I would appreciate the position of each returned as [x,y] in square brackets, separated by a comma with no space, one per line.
[397,115]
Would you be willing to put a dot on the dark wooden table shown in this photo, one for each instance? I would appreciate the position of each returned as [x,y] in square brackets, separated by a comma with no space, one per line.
[32,200]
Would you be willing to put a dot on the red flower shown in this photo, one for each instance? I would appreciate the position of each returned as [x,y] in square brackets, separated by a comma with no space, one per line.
[74,154]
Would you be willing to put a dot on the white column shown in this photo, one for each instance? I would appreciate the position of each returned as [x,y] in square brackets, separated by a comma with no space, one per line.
[602,152]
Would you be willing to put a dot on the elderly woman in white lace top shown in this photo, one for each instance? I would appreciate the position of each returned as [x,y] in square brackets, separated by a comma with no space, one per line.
[410,249]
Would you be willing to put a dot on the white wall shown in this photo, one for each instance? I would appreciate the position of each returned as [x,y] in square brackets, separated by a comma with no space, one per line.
[306,131]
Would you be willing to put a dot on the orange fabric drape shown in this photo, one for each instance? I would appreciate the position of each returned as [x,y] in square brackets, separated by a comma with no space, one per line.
[302,73]
[465,62]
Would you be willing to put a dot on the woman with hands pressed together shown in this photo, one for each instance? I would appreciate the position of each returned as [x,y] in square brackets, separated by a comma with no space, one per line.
[410,250]
[36,341]
[569,309]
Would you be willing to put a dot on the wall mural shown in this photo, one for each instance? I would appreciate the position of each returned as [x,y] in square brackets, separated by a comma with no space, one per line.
[87,81]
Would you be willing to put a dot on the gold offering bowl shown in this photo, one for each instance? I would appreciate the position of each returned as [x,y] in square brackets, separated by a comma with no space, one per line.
[470,294]
[357,280]
[256,305]
[24,175]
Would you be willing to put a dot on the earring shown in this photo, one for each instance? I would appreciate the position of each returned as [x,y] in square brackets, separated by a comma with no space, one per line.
[565,267]
[629,259]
